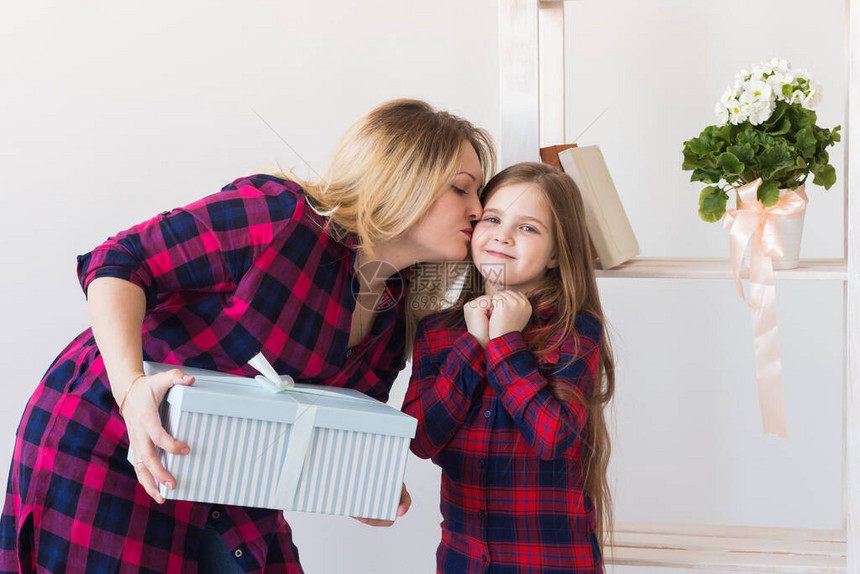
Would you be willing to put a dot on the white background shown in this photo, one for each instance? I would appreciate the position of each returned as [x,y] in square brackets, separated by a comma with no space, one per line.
[112,112]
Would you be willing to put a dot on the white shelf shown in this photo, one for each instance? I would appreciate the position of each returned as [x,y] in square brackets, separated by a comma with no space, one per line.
[530,57]
[729,548]
[714,268]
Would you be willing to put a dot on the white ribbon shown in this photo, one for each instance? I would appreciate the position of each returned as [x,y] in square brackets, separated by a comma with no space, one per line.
[301,433]
[268,378]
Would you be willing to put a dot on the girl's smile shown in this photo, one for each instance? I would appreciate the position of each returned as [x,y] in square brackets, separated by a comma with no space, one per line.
[514,245]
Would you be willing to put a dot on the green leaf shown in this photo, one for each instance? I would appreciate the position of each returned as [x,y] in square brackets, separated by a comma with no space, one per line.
[775,158]
[776,117]
[806,142]
[784,128]
[748,136]
[786,90]
[692,161]
[821,159]
[768,193]
[712,203]
[701,146]
[801,117]
[723,134]
[825,177]
[707,175]
[744,152]
[730,164]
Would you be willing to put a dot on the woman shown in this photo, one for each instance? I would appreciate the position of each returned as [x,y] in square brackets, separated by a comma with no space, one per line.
[306,272]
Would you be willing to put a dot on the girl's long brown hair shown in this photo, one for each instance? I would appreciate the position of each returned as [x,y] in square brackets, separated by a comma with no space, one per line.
[569,288]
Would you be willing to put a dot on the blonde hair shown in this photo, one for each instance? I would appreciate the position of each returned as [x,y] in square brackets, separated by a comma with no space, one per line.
[389,166]
[569,288]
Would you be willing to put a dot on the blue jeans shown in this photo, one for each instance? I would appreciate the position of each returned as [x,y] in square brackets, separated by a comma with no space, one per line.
[215,557]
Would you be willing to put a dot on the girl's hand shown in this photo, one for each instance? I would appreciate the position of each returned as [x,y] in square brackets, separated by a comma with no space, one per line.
[145,432]
[511,312]
[405,503]
[477,314]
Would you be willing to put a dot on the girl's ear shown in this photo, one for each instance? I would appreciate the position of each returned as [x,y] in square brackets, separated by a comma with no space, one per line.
[553,261]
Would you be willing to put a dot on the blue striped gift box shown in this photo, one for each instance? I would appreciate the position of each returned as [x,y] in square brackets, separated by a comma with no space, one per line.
[240,436]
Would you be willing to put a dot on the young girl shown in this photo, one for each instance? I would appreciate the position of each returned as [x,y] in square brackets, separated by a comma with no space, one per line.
[509,392]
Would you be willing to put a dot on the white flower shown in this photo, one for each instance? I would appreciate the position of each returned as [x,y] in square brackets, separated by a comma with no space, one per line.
[737,113]
[727,97]
[802,75]
[813,99]
[722,113]
[779,65]
[777,81]
[759,112]
[753,94]
[756,91]
[757,101]
[721,108]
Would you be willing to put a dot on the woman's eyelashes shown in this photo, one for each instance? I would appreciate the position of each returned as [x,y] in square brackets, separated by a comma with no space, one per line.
[460,190]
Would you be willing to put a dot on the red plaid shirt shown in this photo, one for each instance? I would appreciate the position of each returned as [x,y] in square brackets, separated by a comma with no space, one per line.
[512,478]
[243,270]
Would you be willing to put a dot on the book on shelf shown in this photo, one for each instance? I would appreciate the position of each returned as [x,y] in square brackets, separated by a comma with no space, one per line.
[608,226]
[549,154]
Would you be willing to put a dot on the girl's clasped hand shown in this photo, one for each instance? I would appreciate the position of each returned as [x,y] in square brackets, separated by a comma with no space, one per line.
[491,316]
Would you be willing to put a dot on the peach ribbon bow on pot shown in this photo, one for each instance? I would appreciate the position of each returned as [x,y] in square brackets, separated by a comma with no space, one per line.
[752,221]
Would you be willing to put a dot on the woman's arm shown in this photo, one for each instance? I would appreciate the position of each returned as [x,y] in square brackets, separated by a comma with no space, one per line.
[206,246]
[447,372]
[117,308]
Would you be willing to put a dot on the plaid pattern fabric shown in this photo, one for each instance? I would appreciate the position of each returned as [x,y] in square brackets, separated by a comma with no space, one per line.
[244,270]
[512,478]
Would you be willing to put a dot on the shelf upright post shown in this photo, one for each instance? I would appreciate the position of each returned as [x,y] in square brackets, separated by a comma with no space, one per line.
[519,99]
[852,292]
[551,68]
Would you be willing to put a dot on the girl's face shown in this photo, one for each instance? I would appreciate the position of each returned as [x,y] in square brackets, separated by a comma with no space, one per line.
[514,242]
[443,234]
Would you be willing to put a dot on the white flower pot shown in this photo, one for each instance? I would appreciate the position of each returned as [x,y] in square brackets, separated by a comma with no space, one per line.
[791,232]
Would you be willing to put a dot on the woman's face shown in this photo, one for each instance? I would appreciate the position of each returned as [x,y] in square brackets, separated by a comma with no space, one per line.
[444,233]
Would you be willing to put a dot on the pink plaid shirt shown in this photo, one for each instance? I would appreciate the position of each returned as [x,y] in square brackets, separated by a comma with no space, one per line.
[245,270]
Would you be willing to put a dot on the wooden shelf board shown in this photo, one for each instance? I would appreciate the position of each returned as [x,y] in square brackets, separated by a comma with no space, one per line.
[728,548]
[718,268]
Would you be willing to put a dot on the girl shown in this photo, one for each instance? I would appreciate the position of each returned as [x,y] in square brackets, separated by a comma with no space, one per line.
[509,392]
[308,272]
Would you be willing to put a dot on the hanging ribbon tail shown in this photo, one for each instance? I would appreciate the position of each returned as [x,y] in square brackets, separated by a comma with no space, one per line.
[742,224]
[754,223]
[742,228]
[768,364]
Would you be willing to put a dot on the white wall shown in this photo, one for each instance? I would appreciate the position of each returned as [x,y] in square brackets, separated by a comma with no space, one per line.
[111,112]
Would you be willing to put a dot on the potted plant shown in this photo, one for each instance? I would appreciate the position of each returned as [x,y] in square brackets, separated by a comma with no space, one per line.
[765,139]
